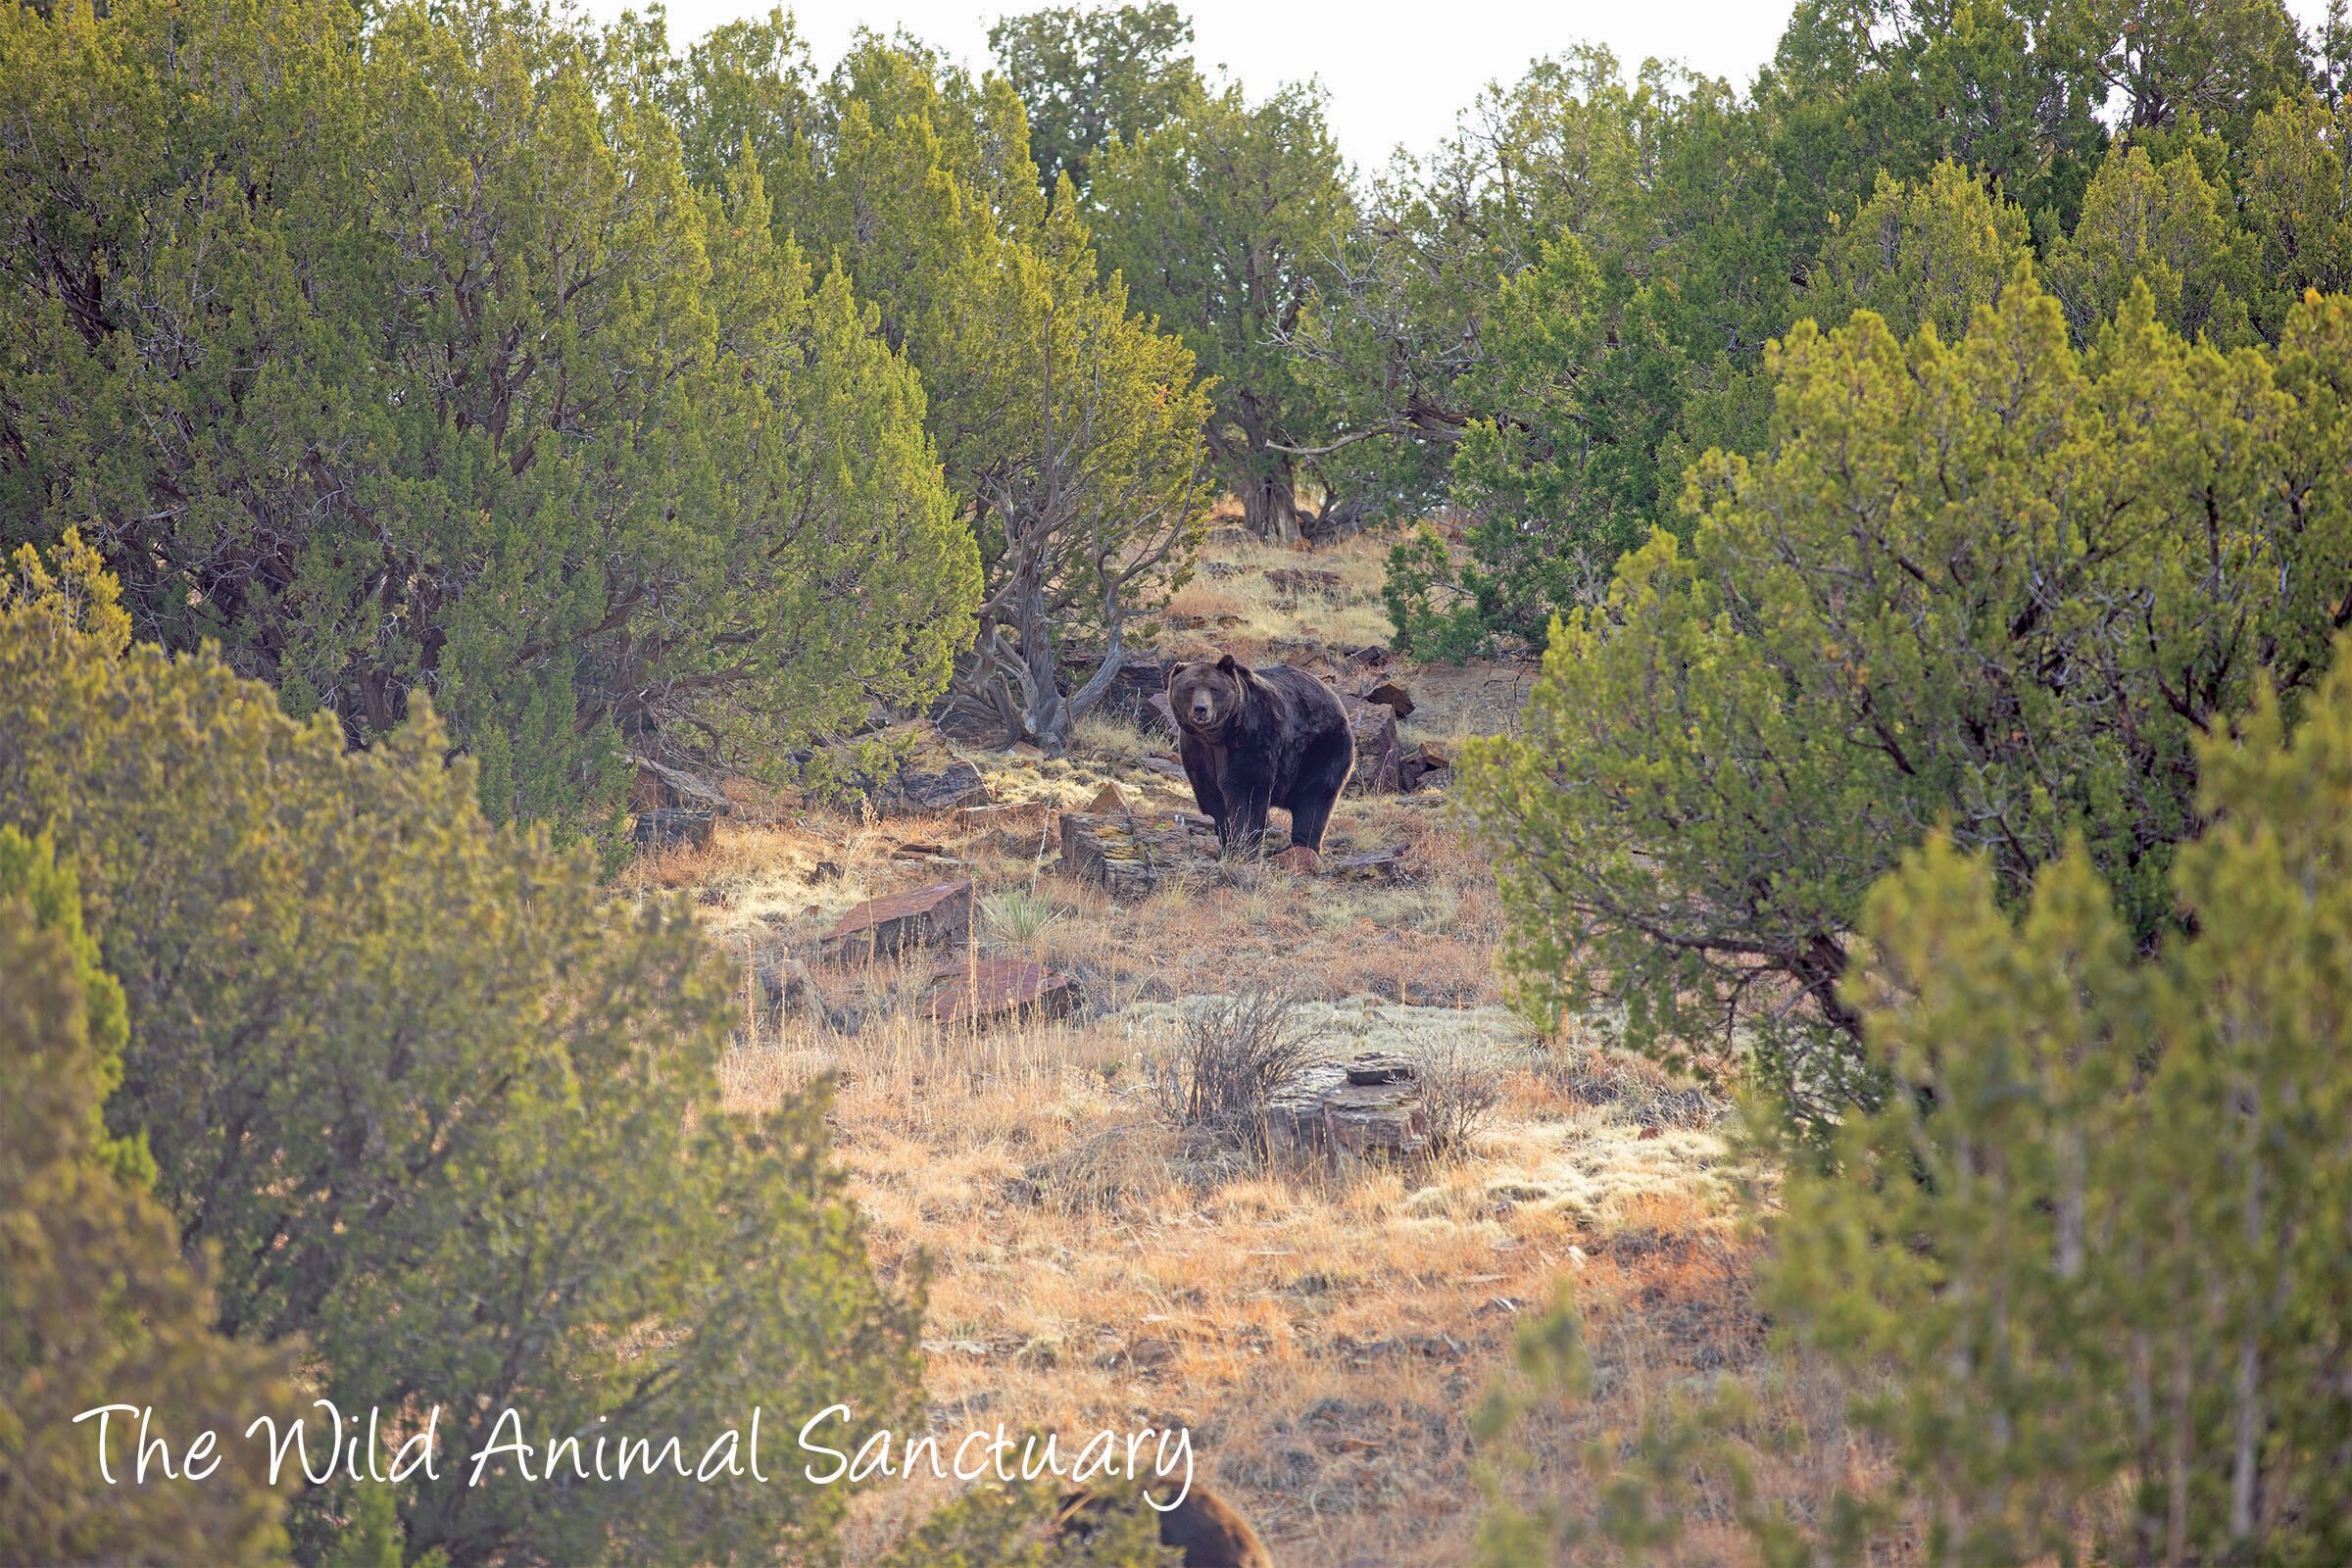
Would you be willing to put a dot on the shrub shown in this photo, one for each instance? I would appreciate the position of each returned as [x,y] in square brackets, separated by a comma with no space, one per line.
[1231,1053]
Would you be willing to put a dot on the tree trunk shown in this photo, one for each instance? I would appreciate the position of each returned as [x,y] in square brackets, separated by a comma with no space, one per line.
[1270,507]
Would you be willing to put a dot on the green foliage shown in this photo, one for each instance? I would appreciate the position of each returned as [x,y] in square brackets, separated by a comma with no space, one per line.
[1909,610]
[97,1305]
[1092,75]
[392,350]
[2104,1239]
[1565,480]
[28,872]
[2084,1275]
[1068,429]
[2165,226]
[443,1111]
[1224,222]
[1923,255]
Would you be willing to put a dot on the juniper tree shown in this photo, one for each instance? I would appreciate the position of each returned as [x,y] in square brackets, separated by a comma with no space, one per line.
[1223,222]
[1999,583]
[2084,1277]
[446,1114]
[97,1305]
[392,350]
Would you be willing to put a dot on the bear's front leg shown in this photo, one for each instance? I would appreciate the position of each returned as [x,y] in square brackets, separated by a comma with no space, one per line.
[1249,800]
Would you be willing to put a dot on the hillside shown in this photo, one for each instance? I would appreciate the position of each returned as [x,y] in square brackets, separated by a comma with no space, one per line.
[1325,1328]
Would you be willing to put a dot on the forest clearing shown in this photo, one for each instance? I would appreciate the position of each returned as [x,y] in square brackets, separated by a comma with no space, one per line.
[1622,840]
[1326,1329]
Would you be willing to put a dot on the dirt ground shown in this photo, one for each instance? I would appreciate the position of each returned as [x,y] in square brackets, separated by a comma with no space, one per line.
[1324,1331]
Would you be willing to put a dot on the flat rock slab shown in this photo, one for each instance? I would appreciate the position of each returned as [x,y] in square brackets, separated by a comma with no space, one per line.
[987,991]
[1131,853]
[878,928]
[915,791]
[1323,1112]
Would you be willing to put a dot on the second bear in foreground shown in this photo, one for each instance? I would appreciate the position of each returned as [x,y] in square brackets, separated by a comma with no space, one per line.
[1252,739]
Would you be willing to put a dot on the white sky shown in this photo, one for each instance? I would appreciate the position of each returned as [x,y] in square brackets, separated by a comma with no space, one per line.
[1395,73]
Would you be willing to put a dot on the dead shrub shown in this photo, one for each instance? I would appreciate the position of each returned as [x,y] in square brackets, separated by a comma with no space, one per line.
[1231,1053]
[1460,1089]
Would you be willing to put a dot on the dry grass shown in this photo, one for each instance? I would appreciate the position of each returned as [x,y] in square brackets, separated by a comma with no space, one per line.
[1271,601]
[1325,1333]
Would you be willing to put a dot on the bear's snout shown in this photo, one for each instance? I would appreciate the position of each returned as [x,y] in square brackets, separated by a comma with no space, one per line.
[1201,708]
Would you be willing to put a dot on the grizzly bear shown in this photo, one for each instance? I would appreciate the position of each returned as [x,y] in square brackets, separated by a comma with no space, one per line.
[1257,738]
[1210,1530]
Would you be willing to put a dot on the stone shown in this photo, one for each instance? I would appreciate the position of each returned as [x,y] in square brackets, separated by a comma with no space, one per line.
[1132,853]
[1374,727]
[1381,865]
[663,828]
[987,991]
[1299,858]
[930,778]
[1111,800]
[1391,696]
[1380,1068]
[1296,580]
[661,787]
[1166,767]
[1159,712]
[1422,766]
[780,984]
[1321,1113]
[926,792]
[928,916]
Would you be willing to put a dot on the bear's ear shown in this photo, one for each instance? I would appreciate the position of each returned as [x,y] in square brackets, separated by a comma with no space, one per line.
[1176,672]
[1230,667]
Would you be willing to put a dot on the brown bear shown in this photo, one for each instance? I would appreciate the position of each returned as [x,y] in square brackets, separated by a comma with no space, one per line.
[1252,739]
[1210,1530]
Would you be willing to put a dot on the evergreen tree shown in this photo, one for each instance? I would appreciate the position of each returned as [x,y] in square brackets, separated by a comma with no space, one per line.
[2001,583]
[97,1305]
[1223,223]
[1093,75]
[445,1114]
[380,350]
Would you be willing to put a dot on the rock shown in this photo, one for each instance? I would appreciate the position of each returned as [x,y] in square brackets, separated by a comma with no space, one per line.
[1132,853]
[1167,766]
[927,917]
[1025,752]
[1422,766]
[930,778]
[1384,865]
[1321,1113]
[1296,580]
[1111,800]
[1371,655]
[1392,696]
[825,871]
[1374,725]
[780,984]
[1298,858]
[661,787]
[923,791]
[1160,712]
[662,828]
[986,991]
[1380,1068]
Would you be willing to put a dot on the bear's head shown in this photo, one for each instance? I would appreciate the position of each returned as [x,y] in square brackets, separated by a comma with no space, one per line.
[1206,696]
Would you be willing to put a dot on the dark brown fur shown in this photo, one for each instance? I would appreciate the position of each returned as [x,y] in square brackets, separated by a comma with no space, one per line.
[1252,739]
[1210,1530]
